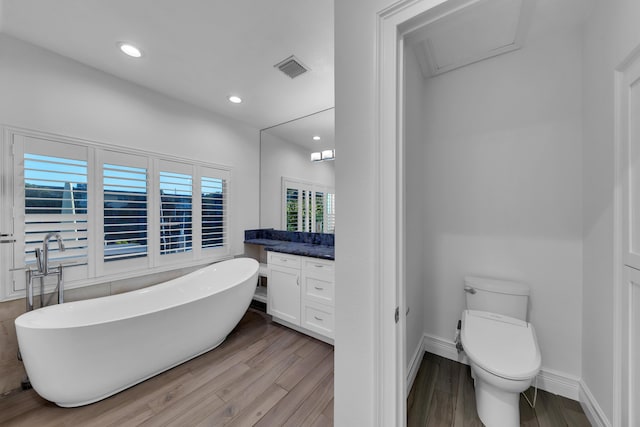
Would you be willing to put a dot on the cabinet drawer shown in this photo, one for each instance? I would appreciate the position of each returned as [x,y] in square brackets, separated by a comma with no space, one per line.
[318,318]
[318,290]
[284,260]
[318,268]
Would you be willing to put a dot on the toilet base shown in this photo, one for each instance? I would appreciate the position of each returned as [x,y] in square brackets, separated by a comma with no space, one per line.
[497,407]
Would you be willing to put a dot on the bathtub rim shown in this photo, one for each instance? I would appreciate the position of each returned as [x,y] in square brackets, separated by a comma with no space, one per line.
[24,320]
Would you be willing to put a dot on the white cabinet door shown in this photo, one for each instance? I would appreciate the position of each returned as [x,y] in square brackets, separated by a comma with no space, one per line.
[283,288]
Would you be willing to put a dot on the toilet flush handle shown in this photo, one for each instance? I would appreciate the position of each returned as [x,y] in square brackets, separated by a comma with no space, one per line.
[469,290]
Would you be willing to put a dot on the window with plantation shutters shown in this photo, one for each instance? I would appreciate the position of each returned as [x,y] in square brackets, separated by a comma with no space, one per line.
[125,211]
[306,211]
[291,209]
[55,201]
[214,195]
[319,211]
[176,211]
[52,197]
[330,213]
[214,189]
[307,207]
[121,213]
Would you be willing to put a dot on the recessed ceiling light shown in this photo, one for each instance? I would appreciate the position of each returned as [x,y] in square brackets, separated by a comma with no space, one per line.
[129,49]
[316,138]
[235,99]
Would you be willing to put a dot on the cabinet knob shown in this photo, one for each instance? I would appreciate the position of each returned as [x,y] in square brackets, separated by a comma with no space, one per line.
[318,318]
[318,288]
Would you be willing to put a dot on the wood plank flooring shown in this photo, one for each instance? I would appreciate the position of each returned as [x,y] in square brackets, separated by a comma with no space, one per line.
[264,374]
[267,375]
[443,395]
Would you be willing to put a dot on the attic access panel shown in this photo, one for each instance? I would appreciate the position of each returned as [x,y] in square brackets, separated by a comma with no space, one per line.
[470,32]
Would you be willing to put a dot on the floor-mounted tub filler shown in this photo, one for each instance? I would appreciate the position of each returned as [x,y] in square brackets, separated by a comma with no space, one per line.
[77,353]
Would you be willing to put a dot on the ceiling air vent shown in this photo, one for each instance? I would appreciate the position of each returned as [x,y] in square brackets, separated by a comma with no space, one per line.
[292,67]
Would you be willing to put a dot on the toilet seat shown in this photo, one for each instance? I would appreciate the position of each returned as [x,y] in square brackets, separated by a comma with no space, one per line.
[502,345]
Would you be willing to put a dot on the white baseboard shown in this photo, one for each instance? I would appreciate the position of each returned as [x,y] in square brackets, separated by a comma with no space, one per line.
[302,330]
[414,364]
[444,348]
[549,380]
[591,408]
[559,383]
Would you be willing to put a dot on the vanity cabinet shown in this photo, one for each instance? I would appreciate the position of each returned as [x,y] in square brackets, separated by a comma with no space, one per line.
[301,293]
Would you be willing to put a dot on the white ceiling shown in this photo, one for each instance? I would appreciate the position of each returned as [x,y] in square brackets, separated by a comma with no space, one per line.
[198,51]
[202,51]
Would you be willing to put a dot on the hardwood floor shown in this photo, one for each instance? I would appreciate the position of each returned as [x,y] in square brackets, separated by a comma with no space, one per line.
[267,375]
[263,374]
[443,395]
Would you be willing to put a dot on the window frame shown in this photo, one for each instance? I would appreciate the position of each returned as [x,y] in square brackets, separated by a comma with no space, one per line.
[97,270]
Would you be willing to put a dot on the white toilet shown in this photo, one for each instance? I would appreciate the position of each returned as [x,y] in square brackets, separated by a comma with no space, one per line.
[501,347]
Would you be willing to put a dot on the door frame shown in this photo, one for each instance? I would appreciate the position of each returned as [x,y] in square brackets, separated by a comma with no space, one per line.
[393,24]
[627,264]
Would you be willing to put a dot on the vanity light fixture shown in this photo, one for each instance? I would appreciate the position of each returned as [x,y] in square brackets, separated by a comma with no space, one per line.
[322,156]
[328,154]
[235,99]
[129,49]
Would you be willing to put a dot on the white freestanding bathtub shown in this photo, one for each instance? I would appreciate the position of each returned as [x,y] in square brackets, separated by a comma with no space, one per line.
[77,353]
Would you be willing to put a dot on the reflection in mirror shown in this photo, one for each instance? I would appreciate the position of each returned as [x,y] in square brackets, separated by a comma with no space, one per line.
[297,179]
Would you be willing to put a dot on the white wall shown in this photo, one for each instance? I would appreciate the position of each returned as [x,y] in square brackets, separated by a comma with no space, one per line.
[44,91]
[415,217]
[502,177]
[280,158]
[611,33]
[355,69]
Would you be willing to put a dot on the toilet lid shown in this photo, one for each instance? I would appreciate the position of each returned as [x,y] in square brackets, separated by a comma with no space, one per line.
[501,345]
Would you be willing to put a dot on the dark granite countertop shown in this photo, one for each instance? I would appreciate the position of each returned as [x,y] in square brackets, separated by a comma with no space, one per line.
[295,243]
[294,248]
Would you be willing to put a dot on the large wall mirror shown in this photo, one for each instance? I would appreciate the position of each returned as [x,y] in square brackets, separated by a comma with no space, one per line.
[297,179]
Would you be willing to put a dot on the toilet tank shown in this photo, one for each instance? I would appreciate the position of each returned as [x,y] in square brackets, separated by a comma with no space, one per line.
[497,296]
